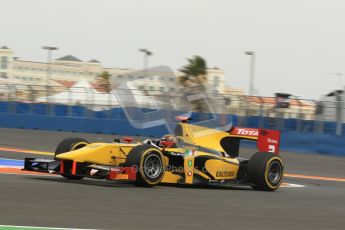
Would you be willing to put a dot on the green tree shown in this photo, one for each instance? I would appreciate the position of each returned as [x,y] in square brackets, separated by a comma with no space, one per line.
[103,80]
[195,71]
[193,80]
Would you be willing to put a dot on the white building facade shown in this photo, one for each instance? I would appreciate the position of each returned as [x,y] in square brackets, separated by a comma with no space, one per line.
[70,68]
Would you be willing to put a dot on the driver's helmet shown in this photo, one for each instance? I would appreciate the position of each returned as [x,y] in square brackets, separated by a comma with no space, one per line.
[167,139]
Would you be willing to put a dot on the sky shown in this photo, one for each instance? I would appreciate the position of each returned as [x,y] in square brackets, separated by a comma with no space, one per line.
[298,43]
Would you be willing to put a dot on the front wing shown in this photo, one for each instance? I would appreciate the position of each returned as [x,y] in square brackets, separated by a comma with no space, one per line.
[73,168]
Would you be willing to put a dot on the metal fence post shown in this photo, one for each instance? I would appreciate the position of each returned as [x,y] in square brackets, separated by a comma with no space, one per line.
[261,121]
[339,100]
[31,98]
[69,102]
[12,100]
[49,104]
[109,103]
[90,102]
[318,117]
[299,117]
[8,89]
[342,108]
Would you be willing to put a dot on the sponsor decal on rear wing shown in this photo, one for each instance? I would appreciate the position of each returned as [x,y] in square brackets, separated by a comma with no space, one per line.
[244,132]
[267,140]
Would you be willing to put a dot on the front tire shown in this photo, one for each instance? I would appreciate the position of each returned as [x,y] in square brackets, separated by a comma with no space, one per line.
[148,161]
[265,171]
[70,144]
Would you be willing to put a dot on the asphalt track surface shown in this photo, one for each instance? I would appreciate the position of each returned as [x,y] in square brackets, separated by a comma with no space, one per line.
[52,201]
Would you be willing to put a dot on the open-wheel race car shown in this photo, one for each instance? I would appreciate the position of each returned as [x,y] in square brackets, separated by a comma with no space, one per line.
[193,155]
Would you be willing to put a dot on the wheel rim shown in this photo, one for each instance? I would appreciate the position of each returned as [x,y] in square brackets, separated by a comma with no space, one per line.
[275,172]
[152,166]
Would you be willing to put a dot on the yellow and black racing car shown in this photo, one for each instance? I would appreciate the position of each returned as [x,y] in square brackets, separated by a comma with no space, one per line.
[193,155]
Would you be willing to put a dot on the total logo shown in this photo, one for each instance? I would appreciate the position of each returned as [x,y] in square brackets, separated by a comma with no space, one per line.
[247,132]
[272,141]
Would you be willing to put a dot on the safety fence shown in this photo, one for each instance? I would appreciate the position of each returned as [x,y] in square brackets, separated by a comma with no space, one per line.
[115,122]
[118,114]
[86,100]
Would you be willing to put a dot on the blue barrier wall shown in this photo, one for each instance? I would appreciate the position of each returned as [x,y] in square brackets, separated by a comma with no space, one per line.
[114,121]
[309,143]
[76,124]
[318,143]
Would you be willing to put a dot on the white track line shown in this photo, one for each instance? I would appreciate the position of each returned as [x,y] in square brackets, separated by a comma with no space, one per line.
[288,185]
[10,160]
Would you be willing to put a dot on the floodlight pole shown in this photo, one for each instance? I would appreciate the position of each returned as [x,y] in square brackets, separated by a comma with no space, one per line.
[147,53]
[252,71]
[50,50]
[340,103]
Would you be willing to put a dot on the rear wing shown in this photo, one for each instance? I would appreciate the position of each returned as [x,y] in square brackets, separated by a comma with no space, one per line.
[267,140]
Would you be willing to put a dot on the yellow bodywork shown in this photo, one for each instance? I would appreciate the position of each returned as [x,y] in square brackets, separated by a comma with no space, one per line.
[112,154]
[215,167]
[99,153]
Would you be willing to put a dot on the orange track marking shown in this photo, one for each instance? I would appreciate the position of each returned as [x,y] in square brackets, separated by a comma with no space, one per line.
[19,171]
[25,151]
[315,177]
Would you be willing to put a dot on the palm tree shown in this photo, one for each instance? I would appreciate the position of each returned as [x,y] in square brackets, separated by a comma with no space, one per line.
[103,80]
[195,71]
[193,80]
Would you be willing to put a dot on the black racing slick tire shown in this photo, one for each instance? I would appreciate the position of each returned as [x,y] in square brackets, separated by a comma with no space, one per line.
[147,160]
[265,171]
[70,144]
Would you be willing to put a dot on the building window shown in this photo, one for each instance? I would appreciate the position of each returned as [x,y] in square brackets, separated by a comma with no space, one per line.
[4,62]
[3,75]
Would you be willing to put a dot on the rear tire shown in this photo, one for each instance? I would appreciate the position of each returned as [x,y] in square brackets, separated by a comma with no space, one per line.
[148,161]
[70,144]
[265,171]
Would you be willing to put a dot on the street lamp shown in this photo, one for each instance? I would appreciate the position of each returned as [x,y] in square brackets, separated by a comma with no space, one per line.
[339,100]
[252,68]
[147,53]
[339,75]
[49,49]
